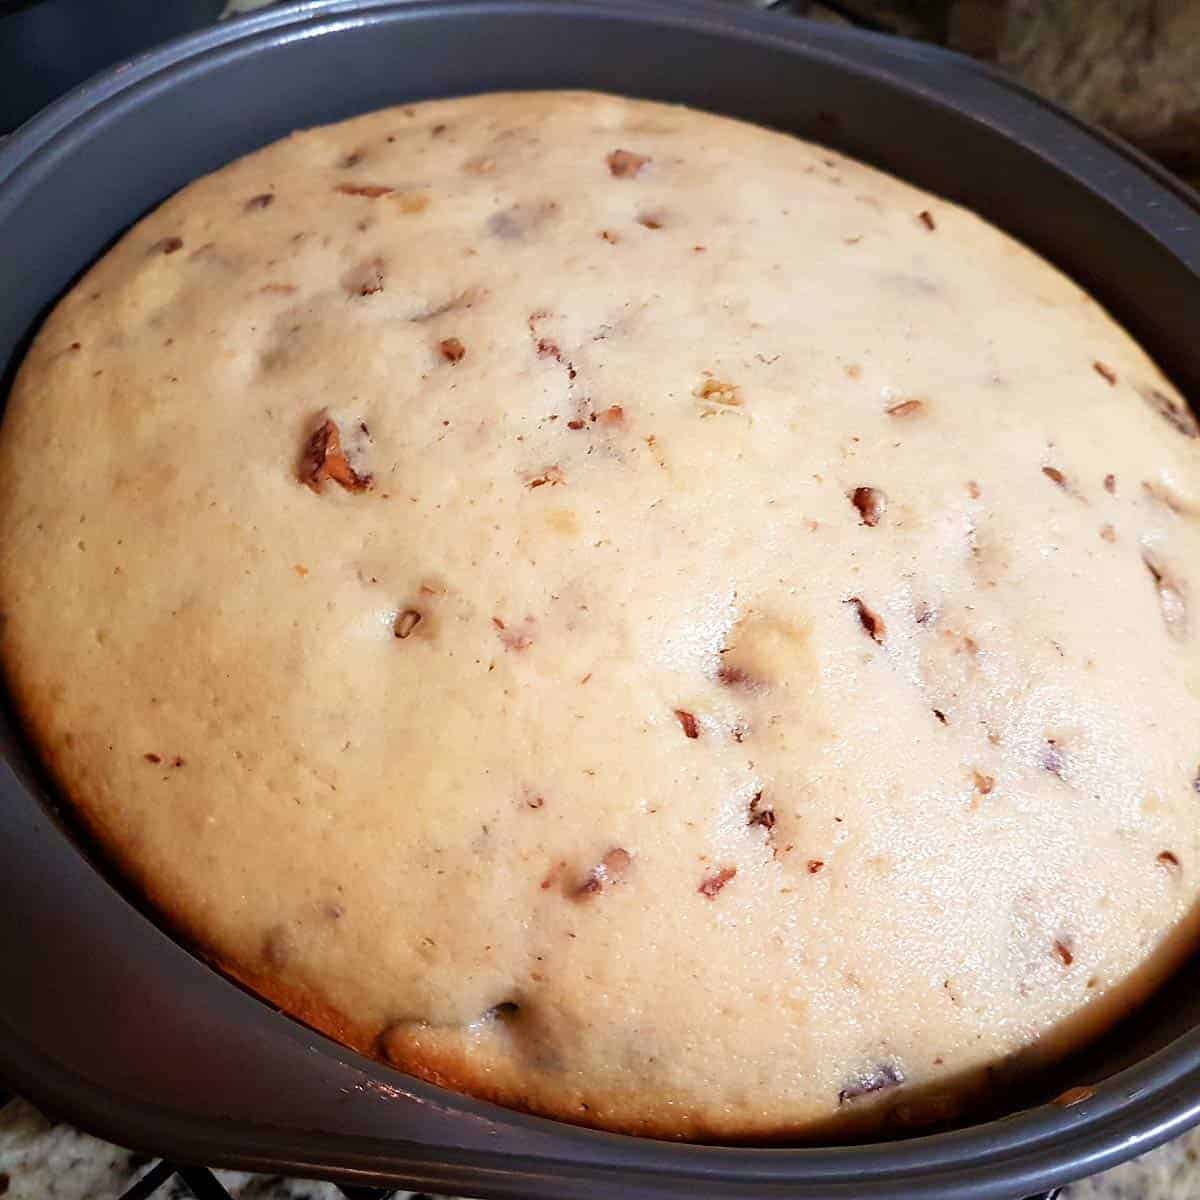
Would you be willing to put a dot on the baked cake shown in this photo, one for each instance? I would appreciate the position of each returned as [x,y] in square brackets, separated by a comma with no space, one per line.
[620,612]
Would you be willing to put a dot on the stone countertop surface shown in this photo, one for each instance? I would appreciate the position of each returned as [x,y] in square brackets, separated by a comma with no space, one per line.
[1132,65]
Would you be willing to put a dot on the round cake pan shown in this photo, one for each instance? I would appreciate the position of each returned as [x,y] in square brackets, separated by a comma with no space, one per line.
[108,1021]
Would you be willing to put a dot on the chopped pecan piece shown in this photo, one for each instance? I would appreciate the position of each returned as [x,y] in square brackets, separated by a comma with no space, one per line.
[871,504]
[323,459]
[1167,859]
[873,1079]
[715,391]
[547,347]
[624,164]
[906,408]
[1063,952]
[1105,372]
[1173,411]
[926,219]
[609,869]
[372,191]
[552,475]
[710,886]
[761,814]
[452,349]
[870,621]
[688,722]
[406,622]
[550,350]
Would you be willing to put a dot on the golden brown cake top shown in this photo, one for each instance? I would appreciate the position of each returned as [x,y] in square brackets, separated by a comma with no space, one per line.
[619,611]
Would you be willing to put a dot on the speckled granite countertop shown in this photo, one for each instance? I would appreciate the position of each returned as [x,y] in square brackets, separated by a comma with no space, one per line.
[40,1160]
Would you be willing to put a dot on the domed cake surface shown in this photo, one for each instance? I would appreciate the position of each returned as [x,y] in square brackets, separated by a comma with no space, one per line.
[620,612]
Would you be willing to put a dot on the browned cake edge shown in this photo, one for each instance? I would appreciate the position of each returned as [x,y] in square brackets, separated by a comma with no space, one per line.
[452,1065]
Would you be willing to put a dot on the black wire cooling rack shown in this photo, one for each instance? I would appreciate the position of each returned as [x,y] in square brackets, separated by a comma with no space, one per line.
[202,1184]
[174,1181]
[167,1180]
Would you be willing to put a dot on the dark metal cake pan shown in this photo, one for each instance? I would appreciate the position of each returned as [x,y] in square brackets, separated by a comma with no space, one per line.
[105,1019]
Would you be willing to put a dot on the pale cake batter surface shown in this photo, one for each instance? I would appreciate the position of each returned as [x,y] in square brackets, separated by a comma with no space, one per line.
[621,612]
